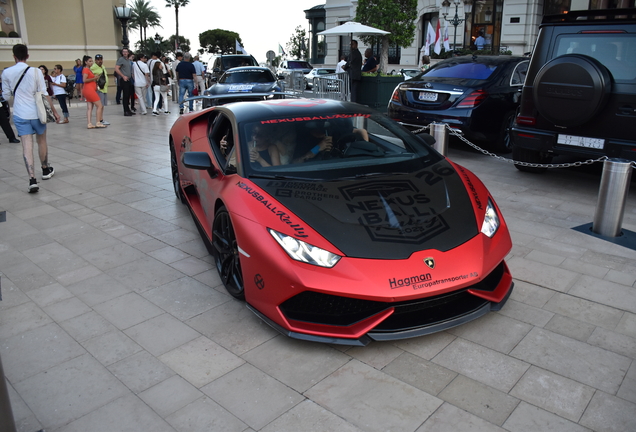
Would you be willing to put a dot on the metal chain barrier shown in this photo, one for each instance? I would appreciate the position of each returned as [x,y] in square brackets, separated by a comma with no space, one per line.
[527,164]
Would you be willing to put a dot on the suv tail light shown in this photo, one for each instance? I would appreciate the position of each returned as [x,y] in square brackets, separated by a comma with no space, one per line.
[473,99]
[526,121]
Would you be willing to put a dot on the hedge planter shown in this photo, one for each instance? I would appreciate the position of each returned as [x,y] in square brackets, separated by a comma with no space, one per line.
[375,91]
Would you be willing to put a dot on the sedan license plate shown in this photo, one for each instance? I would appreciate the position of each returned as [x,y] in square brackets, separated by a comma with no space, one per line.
[595,143]
[428,96]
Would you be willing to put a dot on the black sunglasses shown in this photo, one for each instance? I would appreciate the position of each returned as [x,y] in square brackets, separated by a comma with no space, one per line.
[98,56]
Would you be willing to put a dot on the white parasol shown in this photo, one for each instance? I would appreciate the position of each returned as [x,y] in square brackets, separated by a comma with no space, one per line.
[351,28]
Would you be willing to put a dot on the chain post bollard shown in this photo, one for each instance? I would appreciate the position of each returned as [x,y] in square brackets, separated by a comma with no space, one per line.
[7,424]
[612,195]
[440,133]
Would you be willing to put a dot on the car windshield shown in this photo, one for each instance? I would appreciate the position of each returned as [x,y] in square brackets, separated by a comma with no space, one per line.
[298,65]
[616,51]
[325,71]
[473,70]
[247,76]
[331,147]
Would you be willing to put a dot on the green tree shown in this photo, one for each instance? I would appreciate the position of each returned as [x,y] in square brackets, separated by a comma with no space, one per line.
[395,16]
[218,40]
[150,46]
[143,16]
[183,45]
[176,4]
[296,47]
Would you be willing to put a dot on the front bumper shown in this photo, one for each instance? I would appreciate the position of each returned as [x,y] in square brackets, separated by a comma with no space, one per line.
[317,313]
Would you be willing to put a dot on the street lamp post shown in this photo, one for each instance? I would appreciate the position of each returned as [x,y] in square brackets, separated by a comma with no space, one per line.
[123,13]
[157,42]
[456,20]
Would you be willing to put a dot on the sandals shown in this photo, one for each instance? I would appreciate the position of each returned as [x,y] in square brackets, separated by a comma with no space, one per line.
[90,126]
[100,125]
[63,121]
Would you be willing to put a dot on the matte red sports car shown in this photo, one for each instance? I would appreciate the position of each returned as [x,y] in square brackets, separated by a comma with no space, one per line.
[335,224]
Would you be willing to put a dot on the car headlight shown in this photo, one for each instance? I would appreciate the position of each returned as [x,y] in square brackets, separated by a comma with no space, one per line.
[304,252]
[491,220]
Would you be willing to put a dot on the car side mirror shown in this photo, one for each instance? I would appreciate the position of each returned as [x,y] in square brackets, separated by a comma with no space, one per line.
[427,138]
[199,161]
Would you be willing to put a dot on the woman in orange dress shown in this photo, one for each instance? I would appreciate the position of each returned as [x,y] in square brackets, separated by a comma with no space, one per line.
[89,91]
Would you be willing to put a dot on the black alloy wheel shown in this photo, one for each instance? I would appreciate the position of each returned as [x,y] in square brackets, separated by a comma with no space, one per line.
[504,142]
[226,254]
[174,167]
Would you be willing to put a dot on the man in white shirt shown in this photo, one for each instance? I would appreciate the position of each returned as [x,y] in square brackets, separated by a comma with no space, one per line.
[198,66]
[21,82]
[142,81]
[340,64]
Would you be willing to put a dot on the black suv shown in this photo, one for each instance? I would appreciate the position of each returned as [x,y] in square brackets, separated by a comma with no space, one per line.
[579,97]
[228,61]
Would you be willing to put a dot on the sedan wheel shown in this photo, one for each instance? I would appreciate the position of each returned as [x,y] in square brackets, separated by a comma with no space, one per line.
[504,143]
[175,174]
[226,254]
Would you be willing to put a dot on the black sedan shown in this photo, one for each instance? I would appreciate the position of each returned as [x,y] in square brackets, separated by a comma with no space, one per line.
[478,95]
[242,84]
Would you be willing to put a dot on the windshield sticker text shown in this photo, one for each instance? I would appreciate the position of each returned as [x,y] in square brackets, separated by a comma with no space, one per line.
[306,119]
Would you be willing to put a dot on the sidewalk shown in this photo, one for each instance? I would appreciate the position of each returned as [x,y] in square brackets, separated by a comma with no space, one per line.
[113,318]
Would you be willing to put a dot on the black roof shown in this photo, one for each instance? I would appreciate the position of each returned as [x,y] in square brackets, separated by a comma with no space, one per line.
[594,16]
[293,108]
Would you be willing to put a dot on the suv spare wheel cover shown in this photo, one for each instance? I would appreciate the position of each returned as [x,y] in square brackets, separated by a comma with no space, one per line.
[569,90]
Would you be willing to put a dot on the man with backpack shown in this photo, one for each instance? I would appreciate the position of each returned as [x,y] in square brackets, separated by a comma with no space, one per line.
[102,82]
[22,82]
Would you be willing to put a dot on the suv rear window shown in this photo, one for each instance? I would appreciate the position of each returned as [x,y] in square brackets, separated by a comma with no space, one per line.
[463,70]
[231,62]
[616,51]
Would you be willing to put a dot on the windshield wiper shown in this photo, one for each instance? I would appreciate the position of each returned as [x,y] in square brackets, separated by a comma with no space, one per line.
[283,177]
[367,175]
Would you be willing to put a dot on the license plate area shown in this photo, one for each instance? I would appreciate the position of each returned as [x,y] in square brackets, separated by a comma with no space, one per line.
[578,141]
[427,96]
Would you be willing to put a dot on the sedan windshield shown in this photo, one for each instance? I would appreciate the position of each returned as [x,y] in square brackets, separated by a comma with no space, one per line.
[247,76]
[331,147]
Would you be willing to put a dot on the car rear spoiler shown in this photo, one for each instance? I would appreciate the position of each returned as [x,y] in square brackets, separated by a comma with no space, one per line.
[246,95]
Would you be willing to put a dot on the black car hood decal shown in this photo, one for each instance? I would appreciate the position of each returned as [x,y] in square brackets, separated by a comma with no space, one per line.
[384,217]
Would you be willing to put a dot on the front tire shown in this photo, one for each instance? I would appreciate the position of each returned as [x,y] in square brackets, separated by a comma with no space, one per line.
[176,182]
[226,254]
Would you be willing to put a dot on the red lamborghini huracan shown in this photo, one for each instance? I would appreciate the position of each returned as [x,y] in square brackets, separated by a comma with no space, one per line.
[335,224]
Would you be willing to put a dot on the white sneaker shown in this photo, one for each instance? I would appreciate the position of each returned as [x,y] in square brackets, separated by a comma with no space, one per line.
[104,122]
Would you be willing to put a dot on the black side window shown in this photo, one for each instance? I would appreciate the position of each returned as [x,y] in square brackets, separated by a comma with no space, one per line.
[222,142]
[519,74]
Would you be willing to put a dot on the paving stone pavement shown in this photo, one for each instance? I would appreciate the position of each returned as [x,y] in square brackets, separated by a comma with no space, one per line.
[113,318]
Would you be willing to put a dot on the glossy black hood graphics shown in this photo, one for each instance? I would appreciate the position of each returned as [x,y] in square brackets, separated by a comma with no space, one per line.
[386,217]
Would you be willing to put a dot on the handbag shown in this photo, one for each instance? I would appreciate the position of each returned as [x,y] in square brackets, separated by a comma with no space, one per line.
[45,113]
[163,88]
[101,81]
[195,92]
